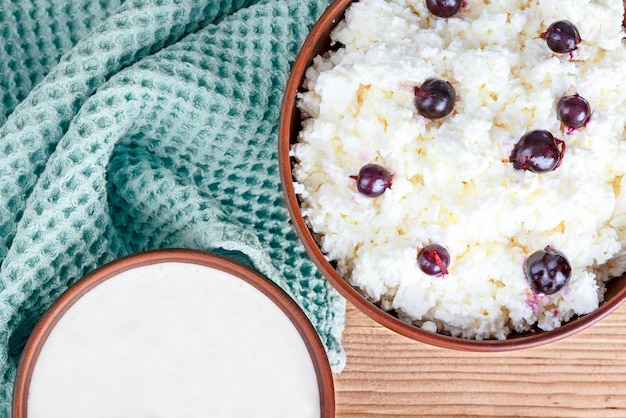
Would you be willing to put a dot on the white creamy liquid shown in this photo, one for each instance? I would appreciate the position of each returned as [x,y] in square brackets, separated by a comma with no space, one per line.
[174,340]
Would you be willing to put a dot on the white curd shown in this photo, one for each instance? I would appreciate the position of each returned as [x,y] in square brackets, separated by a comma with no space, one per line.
[453,184]
[174,340]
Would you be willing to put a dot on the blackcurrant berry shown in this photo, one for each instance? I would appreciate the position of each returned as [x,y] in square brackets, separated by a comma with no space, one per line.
[435,98]
[373,180]
[537,151]
[444,8]
[574,111]
[547,271]
[562,36]
[434,260]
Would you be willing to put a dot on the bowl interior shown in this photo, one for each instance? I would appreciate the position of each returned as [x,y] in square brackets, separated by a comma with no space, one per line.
[317,43]
[268,290]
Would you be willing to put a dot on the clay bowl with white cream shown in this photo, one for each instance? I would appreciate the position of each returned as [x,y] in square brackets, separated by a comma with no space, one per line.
[174,333]
[458,240]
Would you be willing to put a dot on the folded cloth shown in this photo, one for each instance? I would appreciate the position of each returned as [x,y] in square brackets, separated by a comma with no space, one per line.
[144,124]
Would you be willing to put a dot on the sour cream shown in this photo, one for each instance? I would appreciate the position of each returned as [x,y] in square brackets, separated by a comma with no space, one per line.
[174,340]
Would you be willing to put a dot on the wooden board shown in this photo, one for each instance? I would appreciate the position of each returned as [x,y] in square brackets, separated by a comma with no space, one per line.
[388,375]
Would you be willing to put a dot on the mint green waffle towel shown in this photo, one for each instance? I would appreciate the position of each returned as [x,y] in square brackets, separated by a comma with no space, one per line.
[141,124]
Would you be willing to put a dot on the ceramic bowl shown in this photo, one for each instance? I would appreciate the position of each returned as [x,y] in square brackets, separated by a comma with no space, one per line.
[317,43]
[258,291]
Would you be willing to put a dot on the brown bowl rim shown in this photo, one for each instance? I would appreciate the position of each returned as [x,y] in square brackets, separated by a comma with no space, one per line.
[289,121]
[272,291]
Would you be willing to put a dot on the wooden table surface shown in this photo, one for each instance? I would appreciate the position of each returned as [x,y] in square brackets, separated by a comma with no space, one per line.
[388,375]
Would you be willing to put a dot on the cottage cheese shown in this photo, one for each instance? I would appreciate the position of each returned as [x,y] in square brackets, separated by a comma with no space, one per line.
[453,184]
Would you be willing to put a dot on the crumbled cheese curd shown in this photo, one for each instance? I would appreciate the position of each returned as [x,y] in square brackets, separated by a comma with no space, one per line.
[453,184]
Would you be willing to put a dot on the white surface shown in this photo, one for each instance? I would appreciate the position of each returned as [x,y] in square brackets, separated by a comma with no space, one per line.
[174,340]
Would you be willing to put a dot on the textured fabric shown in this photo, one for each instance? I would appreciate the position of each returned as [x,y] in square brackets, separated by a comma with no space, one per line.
[129,126]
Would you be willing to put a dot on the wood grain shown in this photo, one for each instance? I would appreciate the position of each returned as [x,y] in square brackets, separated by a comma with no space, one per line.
[388,375]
